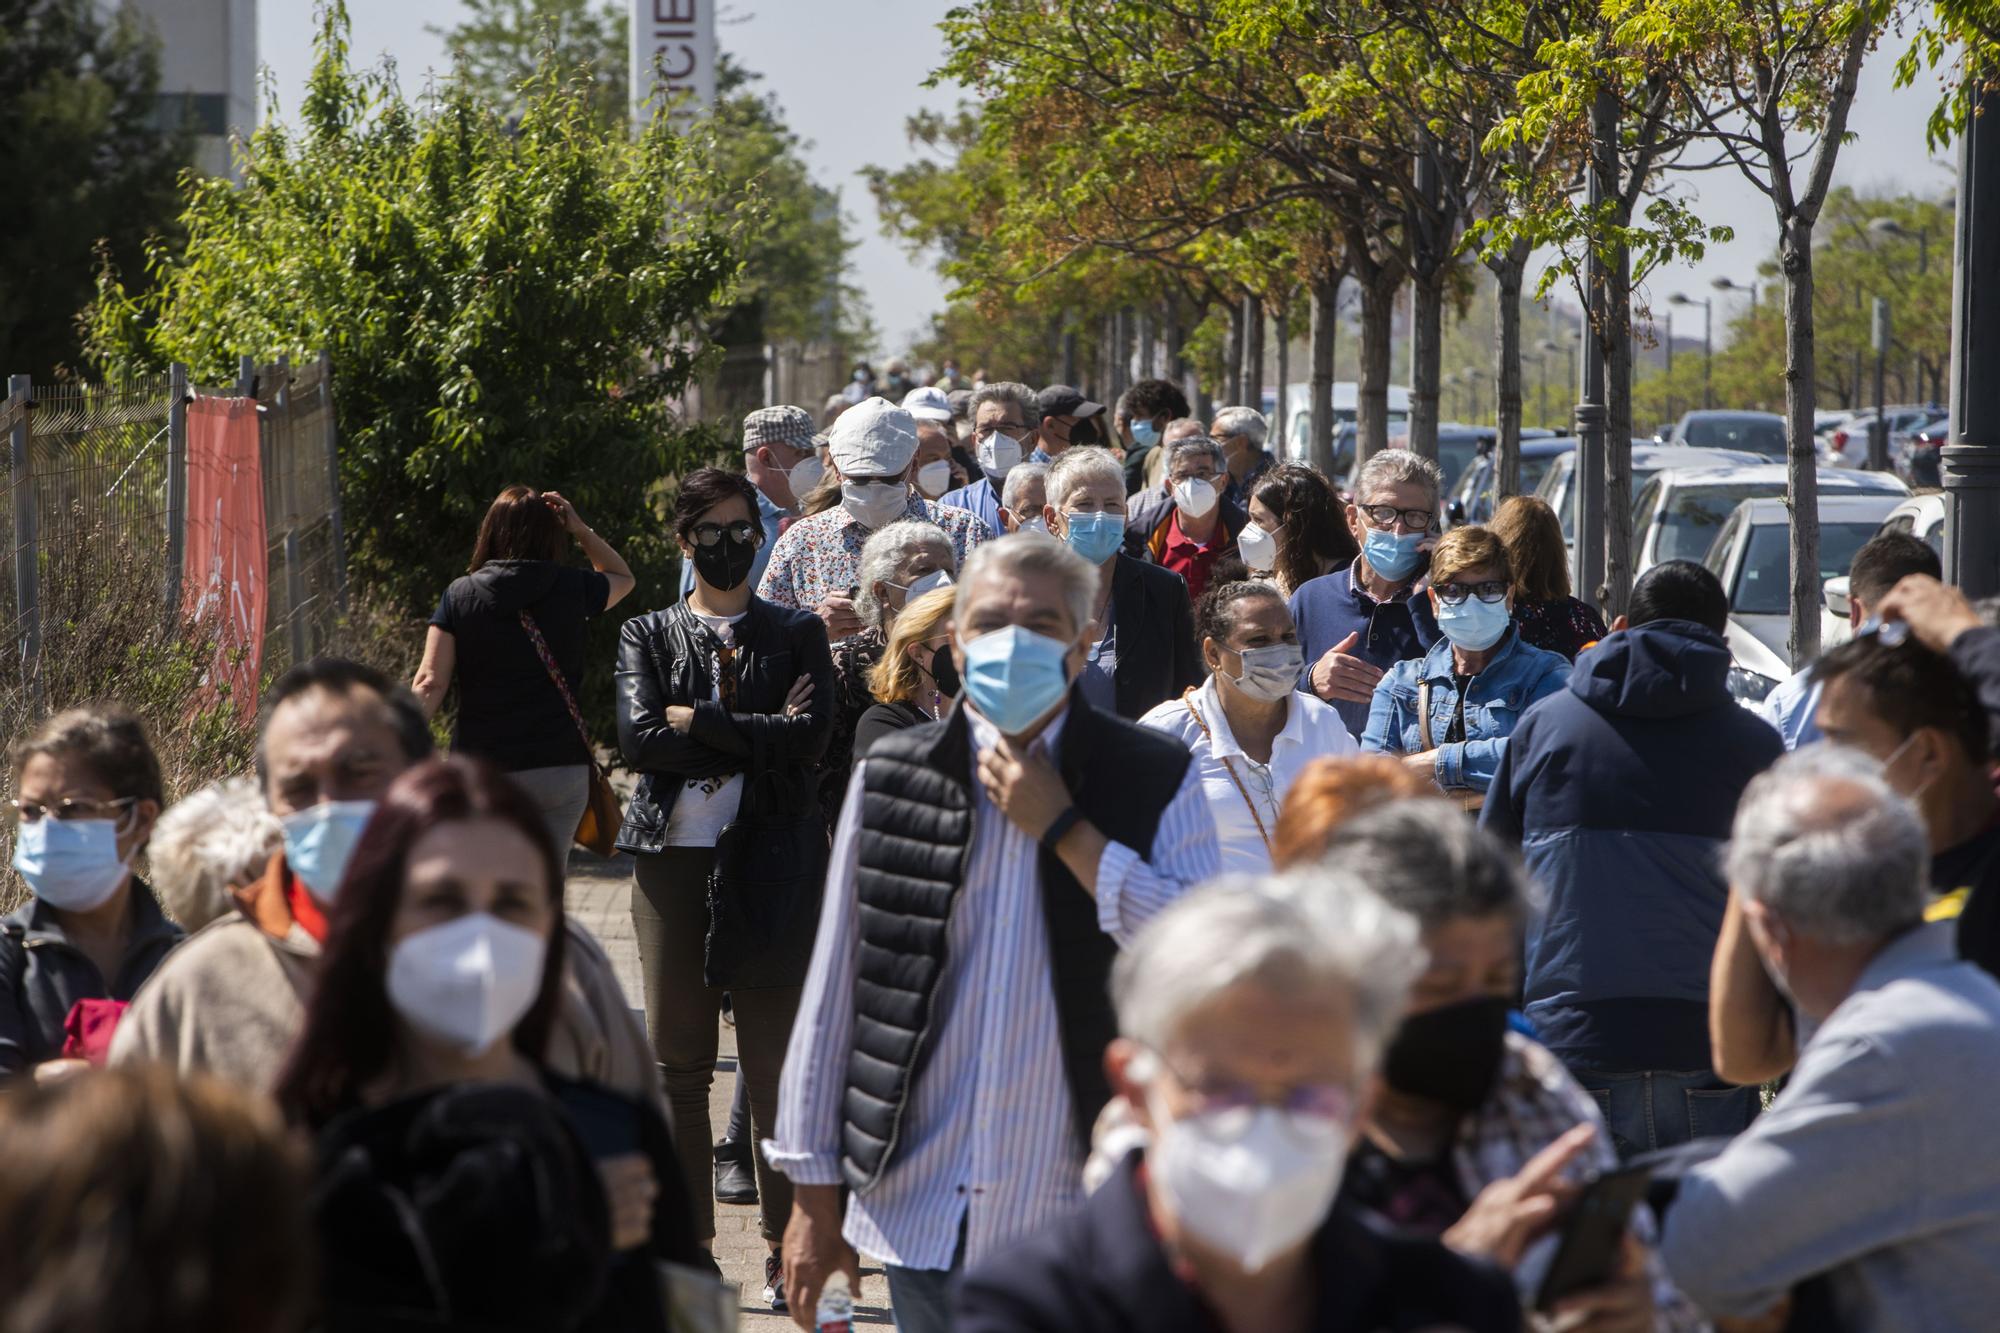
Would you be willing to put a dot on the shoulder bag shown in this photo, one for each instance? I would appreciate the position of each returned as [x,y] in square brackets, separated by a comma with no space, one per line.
[1469,801]
[602,814]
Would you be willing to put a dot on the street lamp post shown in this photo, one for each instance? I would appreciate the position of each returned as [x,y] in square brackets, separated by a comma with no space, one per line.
[1878,434]
[1972,458]
[1922,236]
[1725,285]
[1671,416]
[1471,375]
[1707,344]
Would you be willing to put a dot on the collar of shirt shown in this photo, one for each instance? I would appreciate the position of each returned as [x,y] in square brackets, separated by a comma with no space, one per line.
[1366,598]
[770,511]
[1441,664]
[1180,541]
[1222,741]
[1048,741]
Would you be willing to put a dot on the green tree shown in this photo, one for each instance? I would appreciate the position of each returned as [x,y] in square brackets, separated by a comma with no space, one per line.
[90,168]
[502,303]
[501,44]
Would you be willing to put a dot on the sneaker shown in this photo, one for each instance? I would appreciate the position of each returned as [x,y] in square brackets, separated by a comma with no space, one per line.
[735,1181]
[774,1284]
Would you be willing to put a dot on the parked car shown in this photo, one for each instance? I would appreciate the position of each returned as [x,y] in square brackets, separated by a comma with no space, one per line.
[1752,556]
[1678,512]
[1754,432]
[1647,458]
[1920,461]
[1754,670]
[1847,444]
[1346,403]
[1475,500]
[1922,515]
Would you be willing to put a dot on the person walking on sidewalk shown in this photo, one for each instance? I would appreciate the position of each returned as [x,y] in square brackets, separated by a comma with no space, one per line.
[509,711]
[725,704]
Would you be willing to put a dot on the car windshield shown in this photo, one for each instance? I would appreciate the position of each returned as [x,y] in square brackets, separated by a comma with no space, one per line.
[1455,454]
[1763,585]
[1758,435]
[1692,517]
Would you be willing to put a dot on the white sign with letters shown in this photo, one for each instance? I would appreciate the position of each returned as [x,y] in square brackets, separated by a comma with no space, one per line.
[673,58]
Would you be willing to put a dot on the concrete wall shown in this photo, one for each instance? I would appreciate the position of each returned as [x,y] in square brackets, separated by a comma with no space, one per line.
[208,57]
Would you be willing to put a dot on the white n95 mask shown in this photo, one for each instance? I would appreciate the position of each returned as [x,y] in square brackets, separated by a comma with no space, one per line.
[466,983]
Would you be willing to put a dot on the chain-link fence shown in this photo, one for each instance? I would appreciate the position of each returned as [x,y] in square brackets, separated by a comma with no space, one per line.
[93,514]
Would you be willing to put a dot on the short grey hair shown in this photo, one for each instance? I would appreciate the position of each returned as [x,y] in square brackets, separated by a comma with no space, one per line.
[218,838]
[1033,553]
[1830,848]
[1292,933]
[1018,478]
[1006,391]
[1078,466]
[1194,446]
[884,553]
[1244,421]
[1426,858]
[1183,428]
[1394,467]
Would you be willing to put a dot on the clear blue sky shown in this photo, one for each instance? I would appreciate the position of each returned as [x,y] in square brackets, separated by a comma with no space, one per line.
[847,76]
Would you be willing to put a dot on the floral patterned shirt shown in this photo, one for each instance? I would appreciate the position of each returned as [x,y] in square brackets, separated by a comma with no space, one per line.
[820,556]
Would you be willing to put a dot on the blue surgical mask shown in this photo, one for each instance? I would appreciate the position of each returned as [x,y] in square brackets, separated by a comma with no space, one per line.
[1013,676]
[1145,434]
[319,842]
[1473,625]
[1095,537]
[1394,558]
[71,864]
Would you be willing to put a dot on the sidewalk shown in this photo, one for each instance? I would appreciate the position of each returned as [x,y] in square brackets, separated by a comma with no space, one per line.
[599,897]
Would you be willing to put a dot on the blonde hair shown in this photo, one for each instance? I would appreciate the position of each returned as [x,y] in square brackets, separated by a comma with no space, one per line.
[894,679]
[1468,548]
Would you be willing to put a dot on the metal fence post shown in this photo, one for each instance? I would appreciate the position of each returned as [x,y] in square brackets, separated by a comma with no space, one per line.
[295,593]
[334,529]
[177,406]
[27,572]
[246,376]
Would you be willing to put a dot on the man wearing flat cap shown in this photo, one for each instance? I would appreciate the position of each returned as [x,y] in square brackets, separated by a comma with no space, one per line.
[816,564]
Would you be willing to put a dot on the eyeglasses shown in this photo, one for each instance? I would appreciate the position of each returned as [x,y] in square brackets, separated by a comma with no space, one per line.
[64,811]
[1013,430]
[1454,594]
[708,534]
[1332,1102]
[1385,516]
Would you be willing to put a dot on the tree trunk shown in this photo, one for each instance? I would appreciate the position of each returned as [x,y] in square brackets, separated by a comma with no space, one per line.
[1427,305]
[1252,395]
[1143,331]
[1325,324]
[1232,369]
[1507,269]
[1378,312]
[1618,435]
[1795,257]
[1068,352]
[1281,329]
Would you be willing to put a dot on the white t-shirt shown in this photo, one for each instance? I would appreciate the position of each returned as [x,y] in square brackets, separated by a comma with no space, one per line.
[1312,730]
[706,805]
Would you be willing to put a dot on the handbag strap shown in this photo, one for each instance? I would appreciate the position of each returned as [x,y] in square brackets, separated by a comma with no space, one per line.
[1187,698]
[562,686]
[1424,716]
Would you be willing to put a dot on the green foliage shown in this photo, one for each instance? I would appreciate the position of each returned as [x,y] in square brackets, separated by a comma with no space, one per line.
[89,167]
[502,303]
[501,44]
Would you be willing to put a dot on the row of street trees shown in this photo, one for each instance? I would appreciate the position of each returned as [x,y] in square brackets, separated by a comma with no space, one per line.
[1213,160]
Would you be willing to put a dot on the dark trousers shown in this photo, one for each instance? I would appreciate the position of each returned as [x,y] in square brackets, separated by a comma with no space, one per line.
[670,918]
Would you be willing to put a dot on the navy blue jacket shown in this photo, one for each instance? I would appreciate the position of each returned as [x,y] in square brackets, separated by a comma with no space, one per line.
[43,975]
[1102,1270]
[1621,791]
[1329,608]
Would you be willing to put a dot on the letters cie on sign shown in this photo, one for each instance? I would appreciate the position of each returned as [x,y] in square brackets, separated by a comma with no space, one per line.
[673,51]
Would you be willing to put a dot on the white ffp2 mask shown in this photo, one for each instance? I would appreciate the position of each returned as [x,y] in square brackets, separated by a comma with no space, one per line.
[467,982]
[1253,1194]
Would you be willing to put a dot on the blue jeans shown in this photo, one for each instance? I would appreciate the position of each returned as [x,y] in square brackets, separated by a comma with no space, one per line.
[1663,1109]
[920,1298]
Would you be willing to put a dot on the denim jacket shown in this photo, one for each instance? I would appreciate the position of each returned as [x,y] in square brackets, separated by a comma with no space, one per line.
[1518,675]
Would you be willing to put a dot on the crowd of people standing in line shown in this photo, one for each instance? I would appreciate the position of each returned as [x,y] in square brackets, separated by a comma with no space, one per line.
[1151,889]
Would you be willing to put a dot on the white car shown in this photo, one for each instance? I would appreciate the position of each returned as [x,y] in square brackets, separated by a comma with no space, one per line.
[1752,557]
[1677,514]
[1920,516]
[1558,484]
[1754,670]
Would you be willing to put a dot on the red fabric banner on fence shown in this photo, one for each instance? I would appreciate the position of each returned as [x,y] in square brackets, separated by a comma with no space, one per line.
[224,576]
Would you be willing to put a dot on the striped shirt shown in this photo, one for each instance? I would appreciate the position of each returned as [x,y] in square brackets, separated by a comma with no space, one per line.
[987,1138]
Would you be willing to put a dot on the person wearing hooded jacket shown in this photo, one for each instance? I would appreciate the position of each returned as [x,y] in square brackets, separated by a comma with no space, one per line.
[1620,792]
[510,712]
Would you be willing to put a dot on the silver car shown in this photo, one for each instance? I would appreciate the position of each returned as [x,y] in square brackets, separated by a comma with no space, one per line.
[1676,515]
[1558,486]
[1752,555]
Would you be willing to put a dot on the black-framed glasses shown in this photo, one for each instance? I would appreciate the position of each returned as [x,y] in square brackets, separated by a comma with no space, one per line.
[708,534]
[1385,516]
[64,811]
[1454,594]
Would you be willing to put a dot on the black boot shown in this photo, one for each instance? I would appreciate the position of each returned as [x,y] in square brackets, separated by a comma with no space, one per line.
[735,1179]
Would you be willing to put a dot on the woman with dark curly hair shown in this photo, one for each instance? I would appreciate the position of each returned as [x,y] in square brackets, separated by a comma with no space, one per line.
[1296,530]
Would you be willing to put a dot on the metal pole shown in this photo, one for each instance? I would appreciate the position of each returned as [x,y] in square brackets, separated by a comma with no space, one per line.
[27,560]
[177,406]
[1670,367]
[1878,430]
[295,594]
[1972,461]
[1707,348]
[1591,409]
[1542,390]
[335,533]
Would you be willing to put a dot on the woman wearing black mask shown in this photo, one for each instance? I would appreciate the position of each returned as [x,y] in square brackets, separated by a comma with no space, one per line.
[724,709]
[1476,1133]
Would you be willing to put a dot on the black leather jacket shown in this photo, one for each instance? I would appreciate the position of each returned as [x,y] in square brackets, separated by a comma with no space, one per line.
[665,658]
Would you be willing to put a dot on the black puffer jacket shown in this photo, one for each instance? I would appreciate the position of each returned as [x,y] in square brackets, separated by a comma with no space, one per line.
[667,658]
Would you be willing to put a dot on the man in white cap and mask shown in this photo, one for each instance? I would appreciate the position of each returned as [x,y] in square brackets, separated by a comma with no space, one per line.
[816,564]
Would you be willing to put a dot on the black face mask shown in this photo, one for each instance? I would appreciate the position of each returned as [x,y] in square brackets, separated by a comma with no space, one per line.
[945,671]
[1450,1055]
[726,564]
